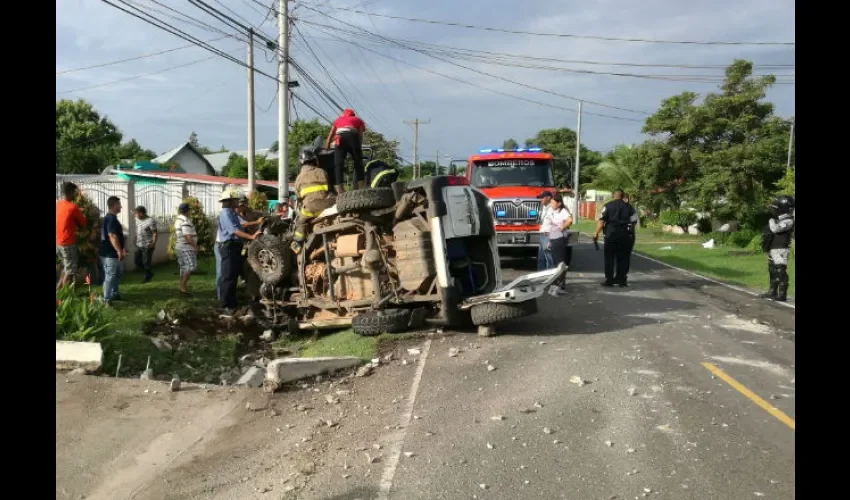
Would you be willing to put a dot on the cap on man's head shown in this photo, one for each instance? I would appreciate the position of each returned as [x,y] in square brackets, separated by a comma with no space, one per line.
[544,194]
[348,112]
[183,208]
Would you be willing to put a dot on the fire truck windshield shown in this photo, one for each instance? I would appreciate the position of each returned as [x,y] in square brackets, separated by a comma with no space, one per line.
[512,172]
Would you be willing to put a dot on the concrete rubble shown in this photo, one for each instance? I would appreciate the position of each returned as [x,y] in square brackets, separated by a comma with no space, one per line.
[85,355]
[253,377]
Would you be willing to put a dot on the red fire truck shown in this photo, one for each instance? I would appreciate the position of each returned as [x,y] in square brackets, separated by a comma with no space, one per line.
[512,180]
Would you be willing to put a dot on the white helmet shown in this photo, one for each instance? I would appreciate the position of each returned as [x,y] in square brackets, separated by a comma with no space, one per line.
[229,194]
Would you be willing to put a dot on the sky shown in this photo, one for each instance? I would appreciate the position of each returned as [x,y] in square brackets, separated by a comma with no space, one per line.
[159,100]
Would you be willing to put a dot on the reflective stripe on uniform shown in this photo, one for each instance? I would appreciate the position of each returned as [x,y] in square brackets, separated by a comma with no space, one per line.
[381,174]
[299,235]
[305,213]
[313,189]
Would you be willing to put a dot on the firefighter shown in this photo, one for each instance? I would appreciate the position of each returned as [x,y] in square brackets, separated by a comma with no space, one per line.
[379,174]
[776,242]
[312,193]
[346,135]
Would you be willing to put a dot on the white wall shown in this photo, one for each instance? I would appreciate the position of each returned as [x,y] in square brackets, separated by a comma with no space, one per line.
[191,163]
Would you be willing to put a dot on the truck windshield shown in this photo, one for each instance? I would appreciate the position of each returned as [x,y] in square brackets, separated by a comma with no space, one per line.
[512,172]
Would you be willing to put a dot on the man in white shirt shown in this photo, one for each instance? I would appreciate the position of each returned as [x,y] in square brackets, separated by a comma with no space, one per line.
[185,245]
[544,255]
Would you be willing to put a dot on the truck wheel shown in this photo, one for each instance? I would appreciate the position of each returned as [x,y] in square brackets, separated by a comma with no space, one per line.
[361,200]
[488,314]
[374,323]
[270,259]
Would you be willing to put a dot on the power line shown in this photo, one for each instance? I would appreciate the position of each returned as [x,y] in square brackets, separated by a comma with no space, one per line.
[573,98]
[506,94]
[135,58]
[559,35]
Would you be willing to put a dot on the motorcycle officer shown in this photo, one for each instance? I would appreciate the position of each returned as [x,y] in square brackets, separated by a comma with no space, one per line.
[776,242]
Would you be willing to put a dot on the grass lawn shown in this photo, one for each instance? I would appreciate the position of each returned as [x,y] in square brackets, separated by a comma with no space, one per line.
[728,263]
[213,350]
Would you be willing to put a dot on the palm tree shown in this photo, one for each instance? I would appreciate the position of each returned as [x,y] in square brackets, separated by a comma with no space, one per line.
[616,171]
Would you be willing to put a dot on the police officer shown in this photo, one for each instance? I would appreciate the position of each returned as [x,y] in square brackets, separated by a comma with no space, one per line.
[312,193]
[776,242]
[618,219]
[379,174]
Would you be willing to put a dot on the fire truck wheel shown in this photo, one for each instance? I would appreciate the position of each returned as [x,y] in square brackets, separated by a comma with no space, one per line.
[488,314]
[361,200]
[372,323]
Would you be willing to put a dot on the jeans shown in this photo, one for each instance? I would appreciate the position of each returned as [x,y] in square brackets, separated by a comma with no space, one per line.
[113,268]
[544,256]
[217,271]
[144,260]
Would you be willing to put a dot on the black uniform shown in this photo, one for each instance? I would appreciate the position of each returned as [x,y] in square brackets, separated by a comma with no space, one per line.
[619,219]
[379,174]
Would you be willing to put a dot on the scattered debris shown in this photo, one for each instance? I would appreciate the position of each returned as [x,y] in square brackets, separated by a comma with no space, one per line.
[758,493]
[414,352]
[575,379]
[453,352]
[161,344]
[547,430]
[482,486]
[404,362]
[630,450]
[388,358]
[268,335]
[364,371]
[542,342]
[331,400]
[408,454]
[253,377]
[497,417]
[175,384]
[490,446]
[774,396]
[632,391]
[538,404]
[609,444]
[491,368]
[78,371]
[528,410]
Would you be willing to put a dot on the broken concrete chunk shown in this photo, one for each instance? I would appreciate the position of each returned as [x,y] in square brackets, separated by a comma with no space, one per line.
[364,371]
[491,368]
[161,315]
[253,377]
[497,417]
[408,454]
[284,370]
[78,371]
[575,379]
[161,344]
[331,400]
[86,355]
[414,352]
[547,430]
[453,352]
[268,335]
[609,444]
[632,391]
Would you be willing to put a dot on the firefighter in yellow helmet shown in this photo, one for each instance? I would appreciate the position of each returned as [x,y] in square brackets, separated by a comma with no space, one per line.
[312,193]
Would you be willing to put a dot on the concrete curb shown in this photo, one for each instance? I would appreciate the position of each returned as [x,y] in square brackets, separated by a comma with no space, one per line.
[283,370]
[85,355]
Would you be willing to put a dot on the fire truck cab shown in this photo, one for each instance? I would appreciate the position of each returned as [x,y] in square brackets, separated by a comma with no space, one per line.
[512,180]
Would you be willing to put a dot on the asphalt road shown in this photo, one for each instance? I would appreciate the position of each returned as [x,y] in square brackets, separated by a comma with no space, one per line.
[688,393]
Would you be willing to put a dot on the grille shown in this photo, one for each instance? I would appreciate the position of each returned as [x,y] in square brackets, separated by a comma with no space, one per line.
[516,210]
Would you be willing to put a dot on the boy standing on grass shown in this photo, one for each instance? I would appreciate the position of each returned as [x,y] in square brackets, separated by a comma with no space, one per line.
[145,241]
[185,246]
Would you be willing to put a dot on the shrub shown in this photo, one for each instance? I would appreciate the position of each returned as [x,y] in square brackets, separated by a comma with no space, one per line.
[743,237]
[258,201]
[78,318]
[718,237]
[755,244]
[678,217]
[704,225]
[203,226]
[88,237]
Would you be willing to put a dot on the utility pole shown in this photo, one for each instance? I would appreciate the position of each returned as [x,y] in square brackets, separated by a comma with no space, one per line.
[283,102]
[251,122]
[790,144]
[578,164]
[416,122]
[437,172]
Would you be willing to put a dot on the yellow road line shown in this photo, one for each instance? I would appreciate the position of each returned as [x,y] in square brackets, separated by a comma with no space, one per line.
[782,417]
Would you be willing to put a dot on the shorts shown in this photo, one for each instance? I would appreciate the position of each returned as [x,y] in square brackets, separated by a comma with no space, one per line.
[69,257]
[187,260]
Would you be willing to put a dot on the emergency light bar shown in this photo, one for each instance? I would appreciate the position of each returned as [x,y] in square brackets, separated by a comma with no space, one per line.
[517,150]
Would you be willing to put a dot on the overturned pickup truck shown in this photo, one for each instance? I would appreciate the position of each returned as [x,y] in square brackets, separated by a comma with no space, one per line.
[386,260]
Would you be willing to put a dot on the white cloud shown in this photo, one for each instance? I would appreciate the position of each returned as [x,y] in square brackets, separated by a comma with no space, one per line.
[160,110]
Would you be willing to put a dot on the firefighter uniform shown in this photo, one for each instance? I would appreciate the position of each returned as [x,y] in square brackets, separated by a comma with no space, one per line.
[379,174]
[312,193]
[776,242]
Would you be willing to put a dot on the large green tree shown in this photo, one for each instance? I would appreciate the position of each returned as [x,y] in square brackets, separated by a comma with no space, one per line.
[724,155]
[510,144]
[87,142]
[561,142]
[237,166]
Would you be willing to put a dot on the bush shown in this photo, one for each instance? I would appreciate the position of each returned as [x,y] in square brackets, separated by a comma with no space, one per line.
[704,225]
[755,244]
[258,201]
[203,226]
[88,237]
[78,318]
[743,237]
[678,217]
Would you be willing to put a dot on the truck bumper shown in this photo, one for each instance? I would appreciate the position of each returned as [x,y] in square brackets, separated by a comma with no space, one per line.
[517,239]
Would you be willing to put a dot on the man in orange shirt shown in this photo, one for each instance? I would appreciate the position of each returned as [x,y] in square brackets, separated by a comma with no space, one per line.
[69,218]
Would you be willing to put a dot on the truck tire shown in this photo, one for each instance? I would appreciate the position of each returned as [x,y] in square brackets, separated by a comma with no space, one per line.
[488,314]
[361,200]
[270,259]
[374,323]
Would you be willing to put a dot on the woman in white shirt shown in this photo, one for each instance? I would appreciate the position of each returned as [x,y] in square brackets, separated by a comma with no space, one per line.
[556,222]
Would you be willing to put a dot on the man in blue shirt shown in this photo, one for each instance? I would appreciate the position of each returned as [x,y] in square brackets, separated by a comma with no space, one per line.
[229,243]
[112,250]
